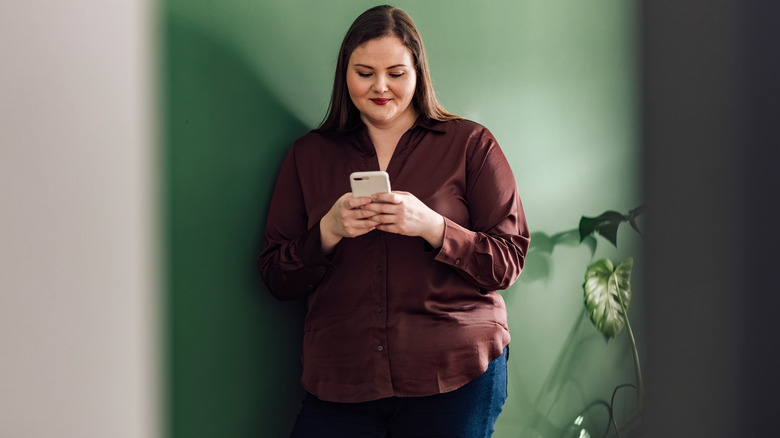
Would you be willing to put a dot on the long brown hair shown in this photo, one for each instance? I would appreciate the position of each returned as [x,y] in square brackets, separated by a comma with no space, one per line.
[378,22]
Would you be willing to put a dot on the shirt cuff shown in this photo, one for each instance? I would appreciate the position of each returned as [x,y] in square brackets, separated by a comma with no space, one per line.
[310,250]
[457,245]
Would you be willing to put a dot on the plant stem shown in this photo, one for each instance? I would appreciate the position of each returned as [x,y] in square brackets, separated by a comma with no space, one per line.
[639,384]
[612,407]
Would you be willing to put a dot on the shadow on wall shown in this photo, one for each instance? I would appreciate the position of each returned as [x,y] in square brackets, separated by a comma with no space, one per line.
[565,405]
[579,391]
[230,343]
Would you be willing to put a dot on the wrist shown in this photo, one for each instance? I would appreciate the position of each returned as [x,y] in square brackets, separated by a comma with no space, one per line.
[435,236]
[328,239]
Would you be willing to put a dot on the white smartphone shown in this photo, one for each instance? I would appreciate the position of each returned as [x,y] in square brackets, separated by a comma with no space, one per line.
[369,183]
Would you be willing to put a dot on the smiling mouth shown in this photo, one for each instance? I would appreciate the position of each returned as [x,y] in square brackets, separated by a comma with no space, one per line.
[380,101]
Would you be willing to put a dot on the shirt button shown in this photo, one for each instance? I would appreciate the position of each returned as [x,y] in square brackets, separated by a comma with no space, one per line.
[380,348]
[457,261]
[379,309]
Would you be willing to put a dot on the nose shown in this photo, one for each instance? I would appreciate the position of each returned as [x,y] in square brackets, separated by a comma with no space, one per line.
[380,84]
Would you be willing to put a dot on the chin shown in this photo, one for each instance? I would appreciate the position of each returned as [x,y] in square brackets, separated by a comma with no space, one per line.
[381,118]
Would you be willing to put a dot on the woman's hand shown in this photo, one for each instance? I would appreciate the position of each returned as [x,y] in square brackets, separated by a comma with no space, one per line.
[346,218]
[402,213]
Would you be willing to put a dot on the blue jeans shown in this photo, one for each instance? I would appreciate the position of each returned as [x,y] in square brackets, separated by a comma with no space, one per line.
[468,412]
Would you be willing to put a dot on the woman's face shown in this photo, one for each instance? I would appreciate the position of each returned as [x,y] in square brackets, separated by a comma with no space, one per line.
[381,78]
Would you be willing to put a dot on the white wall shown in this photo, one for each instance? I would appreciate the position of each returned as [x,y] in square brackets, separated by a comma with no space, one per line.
[79,330]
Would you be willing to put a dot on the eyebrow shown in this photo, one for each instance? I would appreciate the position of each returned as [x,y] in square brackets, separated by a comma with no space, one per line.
[388,68]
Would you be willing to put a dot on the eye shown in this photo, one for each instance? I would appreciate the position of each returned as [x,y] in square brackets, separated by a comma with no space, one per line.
[364,75]
[396,75]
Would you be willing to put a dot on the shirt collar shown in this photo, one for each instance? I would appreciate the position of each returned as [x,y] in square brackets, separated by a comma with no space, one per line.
[429,124]
[359,137]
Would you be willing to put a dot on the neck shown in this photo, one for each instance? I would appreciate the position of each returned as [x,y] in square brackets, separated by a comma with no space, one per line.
[395,127]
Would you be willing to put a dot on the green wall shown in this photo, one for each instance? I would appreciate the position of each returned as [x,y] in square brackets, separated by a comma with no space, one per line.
[554,81]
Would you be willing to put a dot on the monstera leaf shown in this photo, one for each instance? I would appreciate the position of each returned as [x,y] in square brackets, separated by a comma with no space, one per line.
[608,294]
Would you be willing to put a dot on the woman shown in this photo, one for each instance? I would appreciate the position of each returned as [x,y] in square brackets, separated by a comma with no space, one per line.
[405,333]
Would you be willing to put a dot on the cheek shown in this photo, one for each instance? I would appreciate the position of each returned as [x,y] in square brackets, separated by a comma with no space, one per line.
[409,89]
[355,87]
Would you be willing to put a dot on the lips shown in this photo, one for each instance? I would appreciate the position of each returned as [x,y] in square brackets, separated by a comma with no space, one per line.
[380,101]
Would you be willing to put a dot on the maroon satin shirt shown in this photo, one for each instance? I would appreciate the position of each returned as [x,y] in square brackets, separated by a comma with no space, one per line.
[387,314]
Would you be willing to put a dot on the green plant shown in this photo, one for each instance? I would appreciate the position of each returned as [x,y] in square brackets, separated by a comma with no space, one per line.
[607,291]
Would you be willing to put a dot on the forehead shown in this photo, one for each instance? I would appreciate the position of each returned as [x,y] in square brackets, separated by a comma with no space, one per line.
[386,50]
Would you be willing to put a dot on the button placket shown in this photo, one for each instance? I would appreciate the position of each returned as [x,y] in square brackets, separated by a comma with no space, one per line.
[380,298]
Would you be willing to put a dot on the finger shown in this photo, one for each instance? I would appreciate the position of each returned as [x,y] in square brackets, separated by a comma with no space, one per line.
[353,203]
[392,198]
[371,223]
[380,207]
[388,228]
[361,227]
[385,219]
[362,213]
[361,217]
[343,201]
